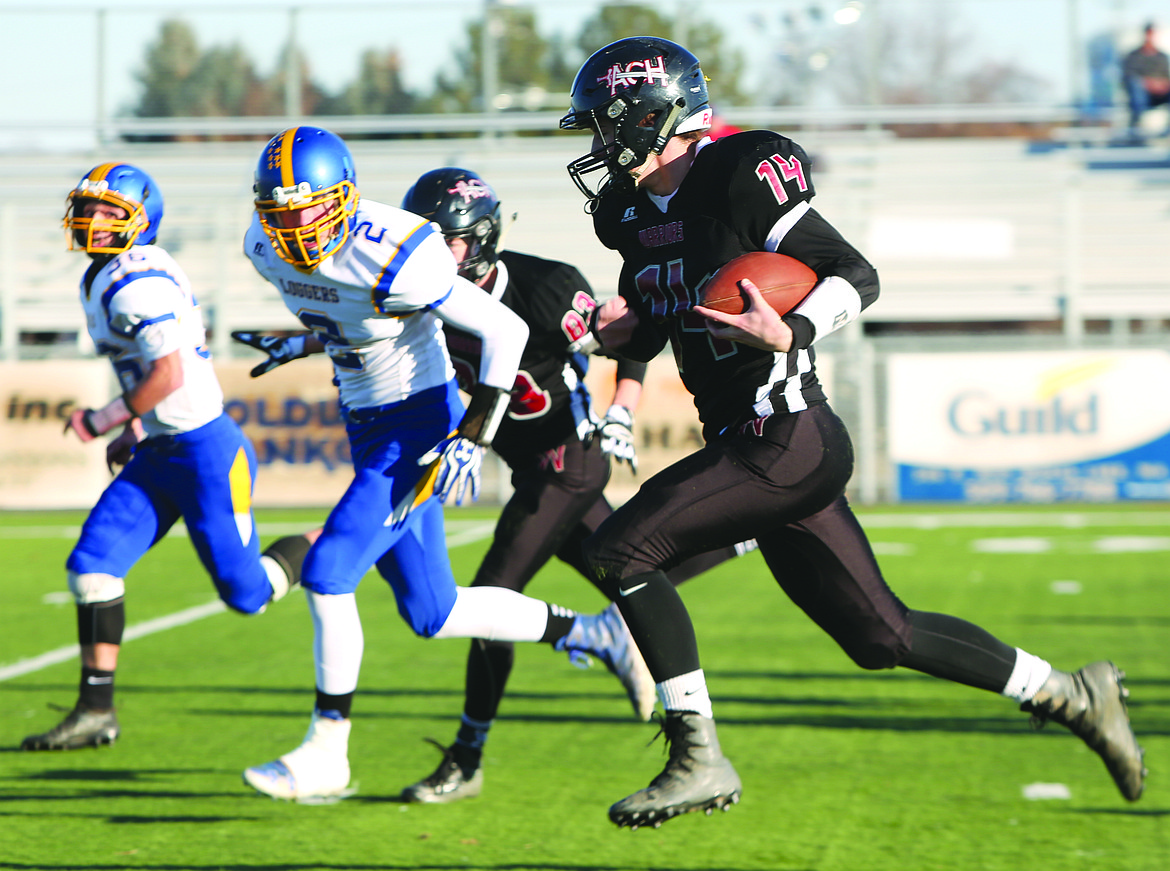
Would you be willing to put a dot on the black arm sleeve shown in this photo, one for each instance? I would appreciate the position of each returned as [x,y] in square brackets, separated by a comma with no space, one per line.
[635,370]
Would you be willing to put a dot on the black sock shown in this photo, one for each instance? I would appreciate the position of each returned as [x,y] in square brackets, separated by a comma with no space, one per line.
[558,624]
[468,747]
[660,624]
[334,707]
[97,689]
[488,665]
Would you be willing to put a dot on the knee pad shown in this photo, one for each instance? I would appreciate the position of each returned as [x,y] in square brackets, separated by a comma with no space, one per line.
[101,623]
[92,588]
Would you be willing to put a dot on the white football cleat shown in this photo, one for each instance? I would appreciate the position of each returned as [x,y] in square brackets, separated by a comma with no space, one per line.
[316,772]
[607,637]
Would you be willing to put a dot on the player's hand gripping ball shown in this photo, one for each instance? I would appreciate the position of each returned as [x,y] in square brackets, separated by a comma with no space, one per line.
[783,281]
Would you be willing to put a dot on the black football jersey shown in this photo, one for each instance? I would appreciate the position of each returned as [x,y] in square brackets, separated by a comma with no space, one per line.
[745,192]
[555,300]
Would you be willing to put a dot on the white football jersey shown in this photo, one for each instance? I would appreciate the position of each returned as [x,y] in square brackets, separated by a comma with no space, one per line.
[371,303]
[138,308]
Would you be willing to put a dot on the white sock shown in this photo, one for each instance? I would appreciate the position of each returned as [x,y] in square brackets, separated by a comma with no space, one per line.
[337,641]
[331,736]
[1028,675]
[495,614]
[687,692]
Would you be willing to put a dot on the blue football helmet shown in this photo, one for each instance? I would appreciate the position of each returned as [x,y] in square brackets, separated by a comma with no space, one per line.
[465,207]
[306,194]
[125,187]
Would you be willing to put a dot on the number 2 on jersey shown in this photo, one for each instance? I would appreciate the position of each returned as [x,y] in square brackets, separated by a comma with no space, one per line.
[329,331]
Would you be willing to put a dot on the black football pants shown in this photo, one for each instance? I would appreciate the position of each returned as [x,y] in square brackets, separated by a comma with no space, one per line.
[785,488]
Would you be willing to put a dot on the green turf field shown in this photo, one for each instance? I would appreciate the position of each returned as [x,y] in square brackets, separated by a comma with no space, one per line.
[842,770]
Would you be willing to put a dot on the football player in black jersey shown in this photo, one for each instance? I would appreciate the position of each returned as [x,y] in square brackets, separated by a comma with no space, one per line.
[559,454]
[677,206]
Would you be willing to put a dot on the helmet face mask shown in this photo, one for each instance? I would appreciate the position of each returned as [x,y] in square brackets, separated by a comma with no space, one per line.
[306,195]
[117,186]
[634,95]
[465,207]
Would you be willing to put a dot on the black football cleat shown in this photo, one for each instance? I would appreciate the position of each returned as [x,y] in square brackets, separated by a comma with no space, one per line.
[446,784]
[1091,703]
[83,727]
[697,776]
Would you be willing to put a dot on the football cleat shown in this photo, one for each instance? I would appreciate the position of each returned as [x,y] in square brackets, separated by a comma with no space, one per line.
[1091,703]
[697,776]
[83,727]
[607,637]
[314,773]
[446,784]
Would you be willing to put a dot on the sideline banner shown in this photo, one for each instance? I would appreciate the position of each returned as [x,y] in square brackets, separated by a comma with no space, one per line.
[291,415]
[1030,426]
[41,466]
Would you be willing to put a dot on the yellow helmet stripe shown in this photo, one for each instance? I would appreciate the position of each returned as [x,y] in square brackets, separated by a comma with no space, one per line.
[287,178]
[100,172]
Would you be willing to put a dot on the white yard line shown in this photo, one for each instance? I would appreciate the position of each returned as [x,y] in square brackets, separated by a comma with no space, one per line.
[976,520]
[138,630]
[465,531]
[459,532]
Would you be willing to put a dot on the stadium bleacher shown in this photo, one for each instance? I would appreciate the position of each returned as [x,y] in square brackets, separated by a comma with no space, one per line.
[960,229]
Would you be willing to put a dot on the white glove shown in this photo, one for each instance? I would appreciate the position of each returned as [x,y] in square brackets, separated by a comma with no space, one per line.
[460,461]
[617,435]
[280,349]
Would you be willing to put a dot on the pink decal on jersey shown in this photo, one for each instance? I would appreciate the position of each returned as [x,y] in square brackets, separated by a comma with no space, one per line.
[554,458]
[528,400]
[575,322]
[766,172]
[671,298]
[648,70]
[790,170]
[583,302]
[574,326]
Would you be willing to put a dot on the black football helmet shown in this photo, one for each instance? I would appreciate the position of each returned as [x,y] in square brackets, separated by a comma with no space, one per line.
[619,88]
[464,206]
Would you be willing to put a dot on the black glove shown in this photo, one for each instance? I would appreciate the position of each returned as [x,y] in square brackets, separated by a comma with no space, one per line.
[280,349]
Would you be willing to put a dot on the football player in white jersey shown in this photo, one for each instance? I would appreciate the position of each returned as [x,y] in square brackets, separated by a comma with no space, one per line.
[182,456]
[374,285]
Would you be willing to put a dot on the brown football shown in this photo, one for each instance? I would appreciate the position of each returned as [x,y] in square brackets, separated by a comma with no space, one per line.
[783,281]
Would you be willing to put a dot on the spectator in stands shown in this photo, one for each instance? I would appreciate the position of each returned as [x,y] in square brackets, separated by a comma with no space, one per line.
[1145,73]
